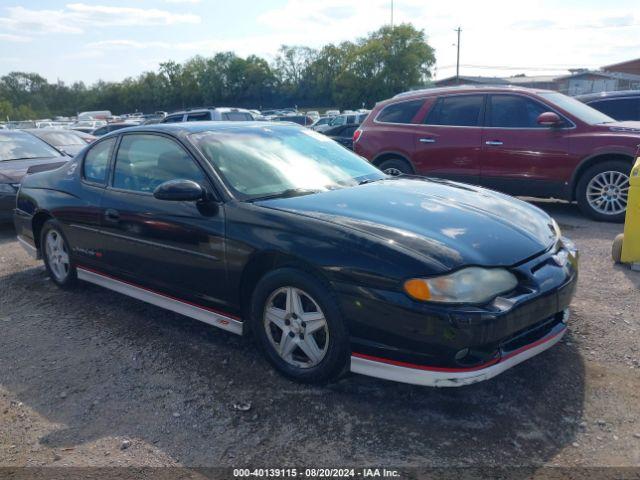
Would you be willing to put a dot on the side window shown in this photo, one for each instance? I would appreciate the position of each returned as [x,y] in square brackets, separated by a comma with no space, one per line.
[459,111]
[620,108]
[173,119]
[145,161]
[101,131]
[199,117]
[510,111]
[96,161]
[400,112]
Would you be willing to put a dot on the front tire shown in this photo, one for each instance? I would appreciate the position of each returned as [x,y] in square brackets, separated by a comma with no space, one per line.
[56,254]
[603,190]
[297,322]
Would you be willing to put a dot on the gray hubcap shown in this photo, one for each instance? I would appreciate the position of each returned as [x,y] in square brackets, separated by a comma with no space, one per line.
[394,172]
[57,255]
[296,327]
[607,192]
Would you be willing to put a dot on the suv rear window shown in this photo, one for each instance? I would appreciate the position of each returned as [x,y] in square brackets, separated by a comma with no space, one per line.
[459,111]
[400,112]
[237,116]
[173,119]
[619,108]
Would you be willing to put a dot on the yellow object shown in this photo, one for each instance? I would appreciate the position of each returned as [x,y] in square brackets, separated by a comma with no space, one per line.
[631,243]
[417,289]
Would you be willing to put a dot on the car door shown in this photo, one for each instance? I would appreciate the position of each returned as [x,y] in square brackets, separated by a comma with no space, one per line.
[448,143]
[175,247]
[83,219]
[519,156]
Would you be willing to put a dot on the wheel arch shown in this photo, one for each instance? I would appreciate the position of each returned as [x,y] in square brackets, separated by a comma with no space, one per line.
[388,155]
[264,262]
[589,162]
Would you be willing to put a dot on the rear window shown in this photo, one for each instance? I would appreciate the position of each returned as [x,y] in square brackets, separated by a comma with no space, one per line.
[23,146]
[459,111]
[199,117]
[400,112]
[619,108]
[60,138]
[237,116]
[173,119]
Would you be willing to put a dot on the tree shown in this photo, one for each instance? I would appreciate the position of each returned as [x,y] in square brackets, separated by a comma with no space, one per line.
[350,74]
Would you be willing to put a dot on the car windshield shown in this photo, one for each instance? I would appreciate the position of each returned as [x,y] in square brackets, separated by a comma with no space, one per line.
[576,108]
[22,146]
[282,160]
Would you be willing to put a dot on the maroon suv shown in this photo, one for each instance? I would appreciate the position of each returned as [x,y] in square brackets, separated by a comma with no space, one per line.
[526,142]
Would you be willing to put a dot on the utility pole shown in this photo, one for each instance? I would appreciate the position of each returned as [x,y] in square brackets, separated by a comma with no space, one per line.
[391,13]
[458,57]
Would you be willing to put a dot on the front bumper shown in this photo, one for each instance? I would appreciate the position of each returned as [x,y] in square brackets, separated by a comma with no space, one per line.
[455,377]
[397,338]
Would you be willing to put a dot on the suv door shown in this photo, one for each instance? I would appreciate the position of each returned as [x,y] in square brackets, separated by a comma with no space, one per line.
[448,144]
[519,156]
[175,247]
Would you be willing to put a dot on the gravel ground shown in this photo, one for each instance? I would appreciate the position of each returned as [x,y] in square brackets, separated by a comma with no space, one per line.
[92,378]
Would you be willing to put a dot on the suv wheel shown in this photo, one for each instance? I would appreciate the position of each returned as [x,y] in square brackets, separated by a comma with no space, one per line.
[56,255]
[395,167]
[299,326]
[603,190]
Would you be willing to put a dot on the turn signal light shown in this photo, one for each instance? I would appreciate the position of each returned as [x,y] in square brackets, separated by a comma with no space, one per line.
[417,289]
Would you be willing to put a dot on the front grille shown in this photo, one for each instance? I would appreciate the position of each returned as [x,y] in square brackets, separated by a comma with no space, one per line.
[533,333]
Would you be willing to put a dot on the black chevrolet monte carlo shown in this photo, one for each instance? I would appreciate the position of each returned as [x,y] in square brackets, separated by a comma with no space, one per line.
[330,264]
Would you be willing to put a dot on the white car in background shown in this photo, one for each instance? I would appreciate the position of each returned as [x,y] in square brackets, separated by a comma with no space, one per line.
[321,124]
[332,113]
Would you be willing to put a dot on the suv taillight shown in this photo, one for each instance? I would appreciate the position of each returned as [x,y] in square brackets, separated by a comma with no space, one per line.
[356,135]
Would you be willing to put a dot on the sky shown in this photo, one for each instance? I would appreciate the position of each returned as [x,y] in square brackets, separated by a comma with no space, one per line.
[113,39]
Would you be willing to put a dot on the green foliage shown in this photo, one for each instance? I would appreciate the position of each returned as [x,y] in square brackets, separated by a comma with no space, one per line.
[349,75]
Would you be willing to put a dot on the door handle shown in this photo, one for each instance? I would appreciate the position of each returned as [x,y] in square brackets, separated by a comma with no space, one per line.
[427,140]
[112,215]
[493,143]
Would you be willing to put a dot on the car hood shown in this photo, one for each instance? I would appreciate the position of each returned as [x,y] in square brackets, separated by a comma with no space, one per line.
[448,223]
[12,171]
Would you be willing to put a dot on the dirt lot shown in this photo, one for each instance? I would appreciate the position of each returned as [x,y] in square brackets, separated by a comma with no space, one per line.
[93,378]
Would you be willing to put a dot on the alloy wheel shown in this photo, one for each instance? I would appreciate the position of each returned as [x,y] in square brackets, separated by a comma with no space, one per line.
[296,327]
[57,255]
[607,192]
[394,172]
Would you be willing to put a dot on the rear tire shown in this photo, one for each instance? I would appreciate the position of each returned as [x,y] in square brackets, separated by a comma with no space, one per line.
[298,325]
[602,191]
[396,167]
[56,254]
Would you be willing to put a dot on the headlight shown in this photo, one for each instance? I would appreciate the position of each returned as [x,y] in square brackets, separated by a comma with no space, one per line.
[556,228]
[469,285]
[7,188]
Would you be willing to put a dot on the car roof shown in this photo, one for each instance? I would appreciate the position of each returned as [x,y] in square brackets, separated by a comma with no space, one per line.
[621,93]
[428,92]
[209,109]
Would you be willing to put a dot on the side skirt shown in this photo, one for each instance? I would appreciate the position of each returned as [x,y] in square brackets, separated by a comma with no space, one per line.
[163,301]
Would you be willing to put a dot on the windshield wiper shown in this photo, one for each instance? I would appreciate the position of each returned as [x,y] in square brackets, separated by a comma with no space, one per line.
[369,180]
[290,192]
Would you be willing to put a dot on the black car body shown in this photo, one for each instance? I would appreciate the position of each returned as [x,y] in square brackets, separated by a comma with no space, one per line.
[343,134]
[21,153]
[621,105]
[356,245]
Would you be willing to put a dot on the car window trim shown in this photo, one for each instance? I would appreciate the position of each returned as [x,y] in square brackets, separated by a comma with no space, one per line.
[83,179]
[209,186]
[481,115]
[423,100]
[571,126]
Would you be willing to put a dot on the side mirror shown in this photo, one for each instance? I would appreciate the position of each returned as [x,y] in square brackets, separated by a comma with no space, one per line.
[549,119]
[179,191]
